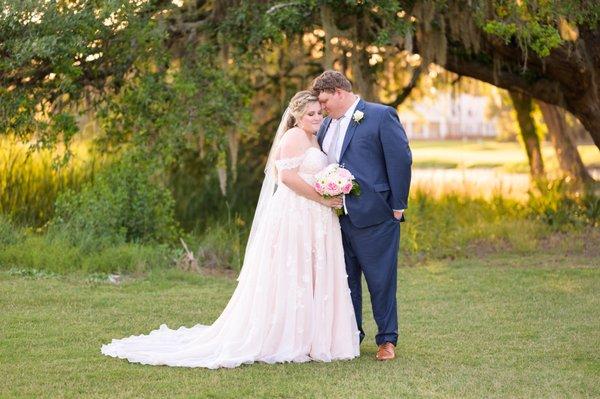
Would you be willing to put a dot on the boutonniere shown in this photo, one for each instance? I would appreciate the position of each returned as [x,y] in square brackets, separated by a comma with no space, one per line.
[358,116]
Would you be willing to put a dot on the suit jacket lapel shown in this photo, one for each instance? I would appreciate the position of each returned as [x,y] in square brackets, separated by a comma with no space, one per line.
[323,131]
[352,126]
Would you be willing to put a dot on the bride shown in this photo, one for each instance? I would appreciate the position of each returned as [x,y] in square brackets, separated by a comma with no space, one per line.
[292,302]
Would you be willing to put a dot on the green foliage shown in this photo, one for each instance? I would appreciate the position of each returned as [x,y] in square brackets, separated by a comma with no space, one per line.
[35,254]
[114,58]
[41,253]
[505,31]
[192,112]
[539,38]
[562,209]
[30,181]
[125,203]
[252,28]
[93,239]
[53,53]
[185,107]
[223,244]
[128,258]
[456,225]
[9,233]
[543,38]
[535,24]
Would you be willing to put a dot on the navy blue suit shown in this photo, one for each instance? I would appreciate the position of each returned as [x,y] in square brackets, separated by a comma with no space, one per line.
[377,153]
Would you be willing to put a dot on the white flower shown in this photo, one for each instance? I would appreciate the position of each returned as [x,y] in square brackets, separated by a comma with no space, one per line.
[358,116]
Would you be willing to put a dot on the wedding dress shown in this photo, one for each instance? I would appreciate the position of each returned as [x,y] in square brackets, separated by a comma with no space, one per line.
[292,302]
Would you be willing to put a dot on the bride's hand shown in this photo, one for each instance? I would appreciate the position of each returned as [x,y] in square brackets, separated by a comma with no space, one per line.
[334,202]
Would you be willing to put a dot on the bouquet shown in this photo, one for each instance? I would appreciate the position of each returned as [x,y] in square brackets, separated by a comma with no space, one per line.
[335,180]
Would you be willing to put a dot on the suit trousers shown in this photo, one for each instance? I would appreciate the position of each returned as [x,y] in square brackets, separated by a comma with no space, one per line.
[373,251]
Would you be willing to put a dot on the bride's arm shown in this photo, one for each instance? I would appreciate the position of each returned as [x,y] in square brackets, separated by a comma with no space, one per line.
[293,145]
[290,178]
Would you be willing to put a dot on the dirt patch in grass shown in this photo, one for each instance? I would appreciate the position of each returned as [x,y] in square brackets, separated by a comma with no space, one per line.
[482,248]
[218,272]
[584,243]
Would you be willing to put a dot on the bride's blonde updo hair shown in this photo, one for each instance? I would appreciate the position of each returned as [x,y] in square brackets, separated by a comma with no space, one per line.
[298,105]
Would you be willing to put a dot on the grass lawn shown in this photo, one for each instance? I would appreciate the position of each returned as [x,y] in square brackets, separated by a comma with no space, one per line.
[499,326]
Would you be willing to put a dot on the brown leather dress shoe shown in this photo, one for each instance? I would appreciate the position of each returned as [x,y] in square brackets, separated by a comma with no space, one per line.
[386,351]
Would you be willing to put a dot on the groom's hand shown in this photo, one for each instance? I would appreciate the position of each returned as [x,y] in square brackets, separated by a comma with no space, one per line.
[398,214]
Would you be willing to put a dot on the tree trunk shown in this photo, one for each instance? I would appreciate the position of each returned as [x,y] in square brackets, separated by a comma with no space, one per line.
[524,106]
[362,77]
[328,23]
[364,81]
[566,151]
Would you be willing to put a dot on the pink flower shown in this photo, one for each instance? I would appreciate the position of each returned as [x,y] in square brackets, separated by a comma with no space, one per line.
[319,188]
[334,180]
[332,188]
[345,173]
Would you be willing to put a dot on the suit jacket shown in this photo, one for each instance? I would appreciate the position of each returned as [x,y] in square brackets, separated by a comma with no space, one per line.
[376,151]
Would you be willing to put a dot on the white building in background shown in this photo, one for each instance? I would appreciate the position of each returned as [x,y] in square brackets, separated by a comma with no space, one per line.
[448,117]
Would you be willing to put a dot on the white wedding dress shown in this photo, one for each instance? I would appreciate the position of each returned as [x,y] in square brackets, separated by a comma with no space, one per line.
[292,302]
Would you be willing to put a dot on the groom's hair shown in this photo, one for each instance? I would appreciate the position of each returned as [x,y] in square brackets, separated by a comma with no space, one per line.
[329,81]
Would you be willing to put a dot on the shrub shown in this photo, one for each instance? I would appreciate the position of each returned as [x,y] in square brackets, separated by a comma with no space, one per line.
[561,208]
[124,204]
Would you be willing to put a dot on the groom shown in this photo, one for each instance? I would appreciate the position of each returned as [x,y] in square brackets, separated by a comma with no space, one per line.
[368,140]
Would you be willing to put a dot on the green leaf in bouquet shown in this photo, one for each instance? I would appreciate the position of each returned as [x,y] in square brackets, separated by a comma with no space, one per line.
[355,189]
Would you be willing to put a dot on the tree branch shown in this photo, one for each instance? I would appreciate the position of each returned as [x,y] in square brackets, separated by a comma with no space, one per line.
[408,88]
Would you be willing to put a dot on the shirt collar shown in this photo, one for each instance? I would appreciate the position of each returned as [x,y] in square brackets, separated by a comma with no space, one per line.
[351,109]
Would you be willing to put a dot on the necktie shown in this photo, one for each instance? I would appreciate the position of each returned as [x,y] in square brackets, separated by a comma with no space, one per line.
[333,146]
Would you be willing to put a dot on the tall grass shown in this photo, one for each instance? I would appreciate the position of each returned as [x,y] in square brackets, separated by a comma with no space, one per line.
[450,226]
[30,182]
[443,220]
[454,225]
[22,248]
